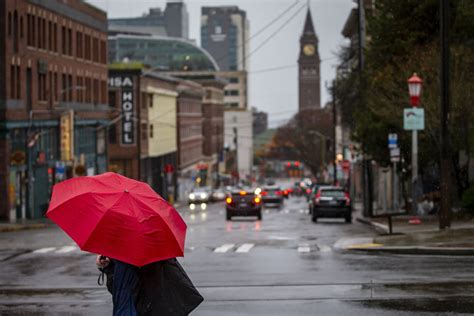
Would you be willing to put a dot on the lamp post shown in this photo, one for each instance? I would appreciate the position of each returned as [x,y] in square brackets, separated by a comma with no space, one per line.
[414,88]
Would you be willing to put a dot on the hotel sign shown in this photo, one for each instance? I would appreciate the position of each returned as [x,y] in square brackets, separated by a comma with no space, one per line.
[126,97]
[66,123]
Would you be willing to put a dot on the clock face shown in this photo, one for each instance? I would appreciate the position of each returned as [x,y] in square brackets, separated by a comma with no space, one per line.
[309,50]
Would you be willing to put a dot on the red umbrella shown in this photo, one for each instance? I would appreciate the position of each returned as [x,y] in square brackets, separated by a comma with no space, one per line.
[118,217]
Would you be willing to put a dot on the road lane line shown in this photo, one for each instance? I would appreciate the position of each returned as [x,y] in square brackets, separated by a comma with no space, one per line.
[304,248]
[245,248]
[224,248]
[67,249]
[287,211]
[44,250]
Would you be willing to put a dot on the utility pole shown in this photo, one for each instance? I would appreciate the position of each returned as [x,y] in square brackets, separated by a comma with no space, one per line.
[334,121]
[445,165]
[366,165]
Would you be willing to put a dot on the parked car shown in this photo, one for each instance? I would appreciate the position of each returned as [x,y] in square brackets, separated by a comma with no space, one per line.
[272,195]
[331,202]
[199,195]
[218,195]
[243,203]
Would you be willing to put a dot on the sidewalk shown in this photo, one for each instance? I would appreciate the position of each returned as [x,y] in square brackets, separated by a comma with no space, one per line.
[423,239]
[6,226]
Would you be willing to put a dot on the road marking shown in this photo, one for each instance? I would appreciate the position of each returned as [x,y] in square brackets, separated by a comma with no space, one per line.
[324,248]
[267,211]
[224,248]
[44,250]
[286,211]
[245,248]
[304,248]
[67,249]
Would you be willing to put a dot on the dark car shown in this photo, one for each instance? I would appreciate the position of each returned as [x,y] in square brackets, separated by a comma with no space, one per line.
[331,202]
[313,194]
[272,195]
[243,203]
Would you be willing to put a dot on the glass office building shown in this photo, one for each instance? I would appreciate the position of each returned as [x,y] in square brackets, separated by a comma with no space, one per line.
[161,53]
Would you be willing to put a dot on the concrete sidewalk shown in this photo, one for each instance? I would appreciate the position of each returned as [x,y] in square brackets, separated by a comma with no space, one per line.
[23,225]
[423,239]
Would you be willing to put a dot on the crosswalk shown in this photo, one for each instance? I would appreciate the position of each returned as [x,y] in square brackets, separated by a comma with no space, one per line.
[302,248]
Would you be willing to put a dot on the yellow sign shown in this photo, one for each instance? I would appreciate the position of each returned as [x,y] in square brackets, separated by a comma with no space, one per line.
[67,135]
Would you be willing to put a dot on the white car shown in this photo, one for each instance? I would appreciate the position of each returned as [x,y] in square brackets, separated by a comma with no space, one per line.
[198,196]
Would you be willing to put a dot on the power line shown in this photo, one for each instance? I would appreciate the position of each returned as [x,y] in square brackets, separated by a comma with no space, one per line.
[276,32]
[262,29]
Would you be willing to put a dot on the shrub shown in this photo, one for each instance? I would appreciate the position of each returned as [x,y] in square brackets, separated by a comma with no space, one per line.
[468,199]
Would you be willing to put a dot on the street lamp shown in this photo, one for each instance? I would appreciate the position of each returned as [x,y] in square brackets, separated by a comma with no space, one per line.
[414,88]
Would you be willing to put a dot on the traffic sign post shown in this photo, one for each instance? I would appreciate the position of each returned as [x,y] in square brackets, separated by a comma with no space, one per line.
[394,158]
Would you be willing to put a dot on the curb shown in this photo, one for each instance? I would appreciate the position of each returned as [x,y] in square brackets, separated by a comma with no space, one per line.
[376,226]
[410,250]
[15,227]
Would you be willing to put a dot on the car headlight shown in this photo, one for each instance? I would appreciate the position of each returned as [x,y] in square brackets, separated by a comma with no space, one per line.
[192,196]
[203,195]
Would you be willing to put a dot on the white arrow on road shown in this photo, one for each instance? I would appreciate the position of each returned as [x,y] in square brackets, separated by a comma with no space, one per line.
[304,248]
[44,250]
[67,249]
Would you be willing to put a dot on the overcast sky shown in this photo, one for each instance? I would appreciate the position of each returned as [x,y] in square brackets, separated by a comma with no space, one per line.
[275,92]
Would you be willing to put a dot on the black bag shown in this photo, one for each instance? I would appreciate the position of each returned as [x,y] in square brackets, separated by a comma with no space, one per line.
[164,289]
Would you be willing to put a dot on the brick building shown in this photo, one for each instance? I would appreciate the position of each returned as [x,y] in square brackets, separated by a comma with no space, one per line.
[53,99]
[190,138]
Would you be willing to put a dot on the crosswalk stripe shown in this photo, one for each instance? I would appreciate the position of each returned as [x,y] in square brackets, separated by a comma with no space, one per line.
[67,249]
[224,248]
[304,248]
[245,248]
[44,250]
[324,248]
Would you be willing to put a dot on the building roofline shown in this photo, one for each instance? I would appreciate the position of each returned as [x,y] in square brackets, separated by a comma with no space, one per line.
[165,38]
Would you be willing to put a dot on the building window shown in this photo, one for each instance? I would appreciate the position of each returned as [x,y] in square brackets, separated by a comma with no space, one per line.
[18,82]
[150,101]
[95,49]
[231,92]
[41,86]
[55,87]
[70,88]
[103,92]
[112,99]
[9,24]
[15,32]
[87,54]
[69,42]
[234,80]
[63,41]
[79,47]
[12,81]
[33,30]
[63,88]
[103,52]
[55,37]
[96,91]
[151,130]
[113,134]
[21,27]
[50,35]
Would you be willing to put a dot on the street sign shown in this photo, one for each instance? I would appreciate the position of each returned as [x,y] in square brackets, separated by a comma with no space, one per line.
[395,152]
[392,140]
[414,119]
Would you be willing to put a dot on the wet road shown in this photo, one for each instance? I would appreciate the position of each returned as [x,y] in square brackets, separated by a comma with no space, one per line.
[282,265]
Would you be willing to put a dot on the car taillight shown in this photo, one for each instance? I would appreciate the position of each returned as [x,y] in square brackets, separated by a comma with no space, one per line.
[257,200]
[264,193]
[278,192]
[285,192]
[290,190]
[308,191]
[317,198]
[228,200]
[348,199]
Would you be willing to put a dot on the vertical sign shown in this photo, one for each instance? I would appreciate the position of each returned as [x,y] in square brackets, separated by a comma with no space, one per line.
[127,112]
[66,124]
[126,105]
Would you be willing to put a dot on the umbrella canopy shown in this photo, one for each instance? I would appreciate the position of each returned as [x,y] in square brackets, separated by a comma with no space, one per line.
[118,217]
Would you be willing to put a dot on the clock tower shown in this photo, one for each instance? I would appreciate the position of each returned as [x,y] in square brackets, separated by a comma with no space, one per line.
[308,63]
